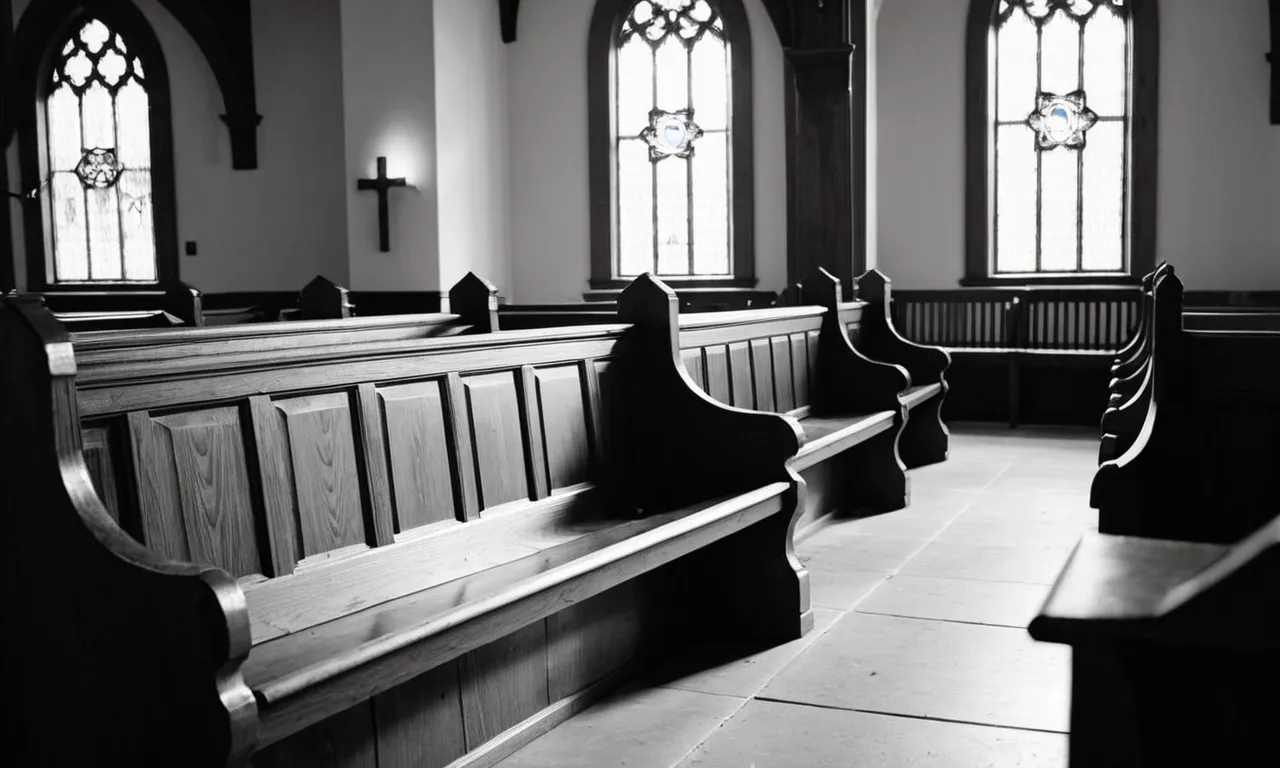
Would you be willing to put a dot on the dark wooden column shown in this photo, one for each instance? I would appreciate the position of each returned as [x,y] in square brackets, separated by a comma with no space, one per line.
[826,147]
[7,267]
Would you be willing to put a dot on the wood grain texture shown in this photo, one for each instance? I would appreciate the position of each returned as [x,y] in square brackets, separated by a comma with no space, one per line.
[346,740]
[565,434]
[762,374]
[693,364]
[325,474]
[493,414]
[373,445]
[533,444]
[420,723]
[783,377]
[102,469]
[194,494]
[276,472]
[466,481]
[504,682]
[717,360]
[740,375]
[800,368]
[592,639]
[420,455]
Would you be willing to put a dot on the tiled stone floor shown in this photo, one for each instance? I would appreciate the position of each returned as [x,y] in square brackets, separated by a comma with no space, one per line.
[920,656]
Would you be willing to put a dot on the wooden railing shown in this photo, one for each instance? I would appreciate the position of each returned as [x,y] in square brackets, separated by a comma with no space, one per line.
[1095,319]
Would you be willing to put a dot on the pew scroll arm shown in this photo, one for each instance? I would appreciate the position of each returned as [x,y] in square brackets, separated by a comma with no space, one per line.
[153,648]
[927,365]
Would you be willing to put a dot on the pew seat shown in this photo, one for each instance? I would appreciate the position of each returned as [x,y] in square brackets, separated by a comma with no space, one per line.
[827,436]
[326,638]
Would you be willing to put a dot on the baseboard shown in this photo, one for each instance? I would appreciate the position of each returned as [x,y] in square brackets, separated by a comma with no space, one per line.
[506,743]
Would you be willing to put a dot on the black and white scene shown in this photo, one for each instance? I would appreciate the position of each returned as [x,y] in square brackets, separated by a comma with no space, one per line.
[640,383]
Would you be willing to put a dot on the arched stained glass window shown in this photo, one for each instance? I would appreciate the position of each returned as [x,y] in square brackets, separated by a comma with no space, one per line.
[1060,137]
[676,100]
[100,221]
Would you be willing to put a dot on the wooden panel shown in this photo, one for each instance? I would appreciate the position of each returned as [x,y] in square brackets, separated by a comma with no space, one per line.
[504,682]
[740,378]
[345,740]
[493,413]
[589,640]
[326,481]
[606,401]
[565,437]
[717,367]
[276,472]
[813,355]
[782,375]
[419,448]
[97,456]
[420,722]
[800,368]
[534,448]
[693,364]
[193,488]
[377,473]
[762,374]
[463,448]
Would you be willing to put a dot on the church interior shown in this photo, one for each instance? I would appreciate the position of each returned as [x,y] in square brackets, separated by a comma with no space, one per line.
[651,383]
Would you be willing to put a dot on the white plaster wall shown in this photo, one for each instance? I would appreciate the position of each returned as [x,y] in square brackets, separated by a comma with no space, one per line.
[550,224]
[388,85]
[276,227]
[472,165]
[1218,218]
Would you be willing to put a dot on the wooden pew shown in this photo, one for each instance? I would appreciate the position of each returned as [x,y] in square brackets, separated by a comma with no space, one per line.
[924,439]
[1201,467]
[520,316]
[1130,390]
[1175,654]
[800,361]
[340,547]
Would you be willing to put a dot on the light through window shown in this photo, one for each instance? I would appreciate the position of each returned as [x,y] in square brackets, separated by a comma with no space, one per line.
[1061,136]
[673,141]
[100,220]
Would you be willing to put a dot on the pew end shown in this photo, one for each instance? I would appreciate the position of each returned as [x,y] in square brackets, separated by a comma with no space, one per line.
[84,593]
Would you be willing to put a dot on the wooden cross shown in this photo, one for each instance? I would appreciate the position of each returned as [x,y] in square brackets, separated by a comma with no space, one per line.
[382,185]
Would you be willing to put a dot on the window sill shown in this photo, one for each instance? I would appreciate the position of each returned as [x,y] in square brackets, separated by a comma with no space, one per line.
[679,283]
[1049,281]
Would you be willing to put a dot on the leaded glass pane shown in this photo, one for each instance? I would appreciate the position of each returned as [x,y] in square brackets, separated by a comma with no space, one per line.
[711,206]
[1105,62]
[635,208]
[1060,193]
[104,234]
[134,149]
[1104,191]
[1015,199]
[98,140]
[1016,73]
[137,225]
[635,86]
[672,65]
[62,114]
[709,68]
[1060,55]
[673,140]
[71,249]
[673,216]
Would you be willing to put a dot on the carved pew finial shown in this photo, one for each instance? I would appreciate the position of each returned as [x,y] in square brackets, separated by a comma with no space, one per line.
[874,287]
[323,299]
[186,303]
[651,303]
[822,289]
[475,300]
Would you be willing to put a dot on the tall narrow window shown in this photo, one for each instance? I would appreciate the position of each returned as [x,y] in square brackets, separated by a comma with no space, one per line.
[1058,125]
[100,219]
[674,113]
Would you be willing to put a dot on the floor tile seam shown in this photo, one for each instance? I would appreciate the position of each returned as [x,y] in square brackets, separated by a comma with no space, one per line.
[907,716]
[698,745]
[942,620]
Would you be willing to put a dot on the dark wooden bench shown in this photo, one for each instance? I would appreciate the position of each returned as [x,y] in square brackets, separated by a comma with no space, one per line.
[1175,653]
[356,543]
[1007,344]
[1201,466]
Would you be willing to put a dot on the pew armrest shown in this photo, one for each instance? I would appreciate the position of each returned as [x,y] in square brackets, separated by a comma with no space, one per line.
[138,638]
[882,341]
